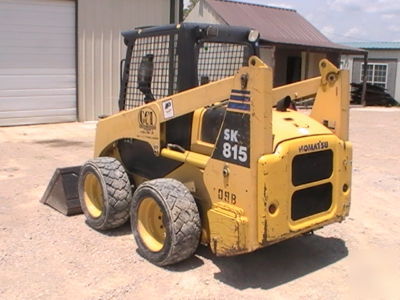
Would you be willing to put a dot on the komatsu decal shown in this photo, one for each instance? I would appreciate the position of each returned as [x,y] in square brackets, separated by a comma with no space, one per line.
[313,147]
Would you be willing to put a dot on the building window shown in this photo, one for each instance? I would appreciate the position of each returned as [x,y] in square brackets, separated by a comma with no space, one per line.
[376,74]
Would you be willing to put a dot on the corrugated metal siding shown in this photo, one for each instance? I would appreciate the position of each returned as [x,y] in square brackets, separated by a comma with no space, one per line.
[37,61]
[392,57]
[101,48]
[391,72]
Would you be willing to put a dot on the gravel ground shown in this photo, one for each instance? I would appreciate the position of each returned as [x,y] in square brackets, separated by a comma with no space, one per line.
[45,255]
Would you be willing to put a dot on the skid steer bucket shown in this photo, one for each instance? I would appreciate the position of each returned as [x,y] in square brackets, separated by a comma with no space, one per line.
[62,191]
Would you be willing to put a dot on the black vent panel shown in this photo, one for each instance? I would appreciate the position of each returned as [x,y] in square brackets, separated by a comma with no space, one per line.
[312,167]
[311,201]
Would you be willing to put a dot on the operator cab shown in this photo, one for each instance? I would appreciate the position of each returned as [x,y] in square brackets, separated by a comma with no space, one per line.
[162,61]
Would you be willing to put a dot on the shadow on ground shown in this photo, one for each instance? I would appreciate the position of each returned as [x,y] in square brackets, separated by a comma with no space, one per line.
[189,264]
[277,264]
[62,143]
[120,231]
[268,267]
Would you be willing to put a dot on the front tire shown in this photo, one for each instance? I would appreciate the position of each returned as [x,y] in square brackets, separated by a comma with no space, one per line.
[165,221]
[104,193]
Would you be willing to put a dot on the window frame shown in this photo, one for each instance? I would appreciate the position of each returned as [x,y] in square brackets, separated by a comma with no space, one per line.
[373,64]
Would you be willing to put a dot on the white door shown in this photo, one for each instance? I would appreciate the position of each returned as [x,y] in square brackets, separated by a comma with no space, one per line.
[37,61]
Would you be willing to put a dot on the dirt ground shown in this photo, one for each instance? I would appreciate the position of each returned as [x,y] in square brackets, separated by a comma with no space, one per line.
[45,255]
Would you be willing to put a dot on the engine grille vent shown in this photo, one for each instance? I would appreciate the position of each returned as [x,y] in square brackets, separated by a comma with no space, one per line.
[310,201]
[312,167]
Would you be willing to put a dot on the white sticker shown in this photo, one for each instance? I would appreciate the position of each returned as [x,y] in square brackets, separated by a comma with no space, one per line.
[235,152]
[168,109]
[231,148]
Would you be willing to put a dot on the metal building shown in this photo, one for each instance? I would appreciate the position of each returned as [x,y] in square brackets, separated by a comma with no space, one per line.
[59,59]
[289,44]
[383,67]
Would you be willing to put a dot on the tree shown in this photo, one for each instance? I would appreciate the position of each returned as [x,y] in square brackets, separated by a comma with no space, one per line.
[188,8]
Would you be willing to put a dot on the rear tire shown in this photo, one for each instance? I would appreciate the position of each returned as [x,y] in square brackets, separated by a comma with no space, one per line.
[165,221]
[105,193]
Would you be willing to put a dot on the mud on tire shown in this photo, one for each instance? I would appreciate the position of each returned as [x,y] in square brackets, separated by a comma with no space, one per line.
[105,193]
[180,221]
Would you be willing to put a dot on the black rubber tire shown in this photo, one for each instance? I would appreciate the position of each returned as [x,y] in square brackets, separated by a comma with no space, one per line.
[180,217]
[116,190]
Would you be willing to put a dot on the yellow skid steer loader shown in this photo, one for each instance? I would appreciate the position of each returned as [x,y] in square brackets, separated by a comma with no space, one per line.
[205,150]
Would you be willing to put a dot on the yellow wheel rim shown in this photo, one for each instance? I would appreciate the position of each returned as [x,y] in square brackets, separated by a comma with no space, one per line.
[150,224]
[93,195]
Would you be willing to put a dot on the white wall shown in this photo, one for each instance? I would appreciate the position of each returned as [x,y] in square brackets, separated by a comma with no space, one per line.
[267,55]
[347,64]
[202,13]
[100,48]
[37,62]
[393,56]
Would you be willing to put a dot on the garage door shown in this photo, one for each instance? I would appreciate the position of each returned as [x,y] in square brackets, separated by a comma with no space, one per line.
[37,61]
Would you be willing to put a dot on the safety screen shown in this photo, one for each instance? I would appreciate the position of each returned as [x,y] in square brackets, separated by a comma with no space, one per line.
[165,64]
[220,60]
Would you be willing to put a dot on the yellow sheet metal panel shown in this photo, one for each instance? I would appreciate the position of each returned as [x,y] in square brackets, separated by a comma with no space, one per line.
[292,124]
[120,125]
[100,48]
[228,229]
[192,158]
[297,90]
[230,175]
[331,106]
[276,187]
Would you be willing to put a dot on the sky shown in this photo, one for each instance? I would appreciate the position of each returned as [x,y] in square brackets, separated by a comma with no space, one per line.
[348,20]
